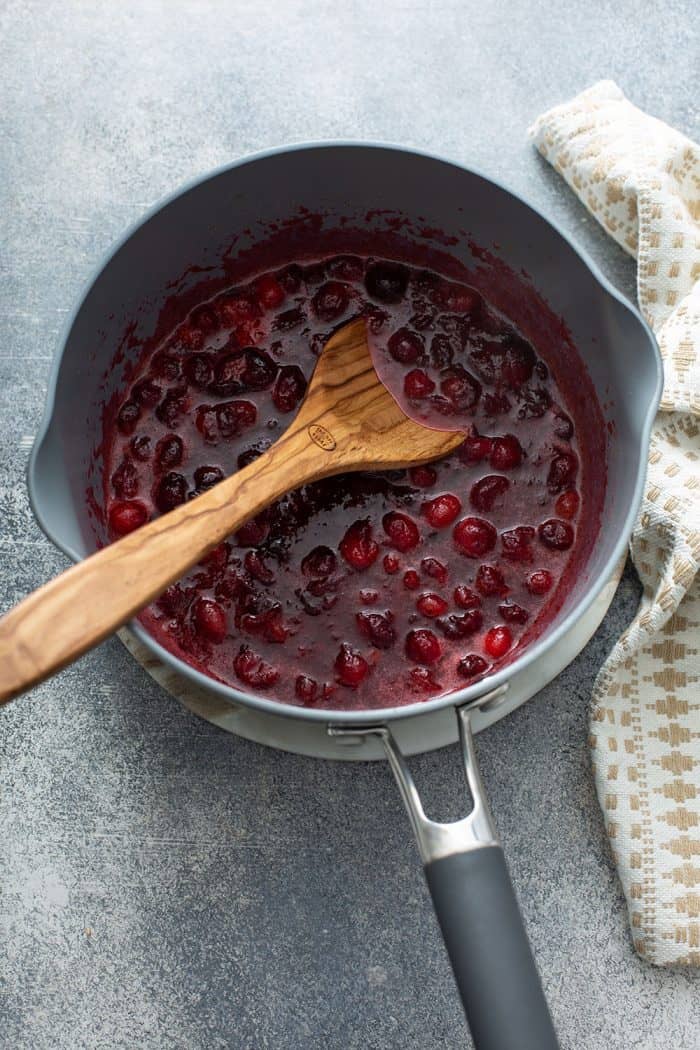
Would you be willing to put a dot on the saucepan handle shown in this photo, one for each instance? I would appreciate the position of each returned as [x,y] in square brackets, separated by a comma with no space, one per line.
[476,907]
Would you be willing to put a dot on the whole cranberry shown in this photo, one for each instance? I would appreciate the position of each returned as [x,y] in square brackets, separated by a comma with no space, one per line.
[169,451]
[422,646]
[471,666]
[127,515]
[170,492]
[141,447]
[146,393]
[199,369]
[475,448]
[259,371]
[386,281]
[357,546]
[232,417]
[289,388]
[209,620]
[567,504]
[391,564]
[205,477]
[431,605]
[442,510]
[402,531]
[269,291]
[331,300]
[474,537]
[411,580]
[563,427]
[540,582]
[556,534]
[417,384]
[405,346]
[498,641]
[125,480]
[351,668]
[487,492]
[459,387]
[506,453]
[423,477]
[128,416]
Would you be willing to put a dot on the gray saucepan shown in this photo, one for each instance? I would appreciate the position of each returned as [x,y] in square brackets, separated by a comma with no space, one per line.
[308,191]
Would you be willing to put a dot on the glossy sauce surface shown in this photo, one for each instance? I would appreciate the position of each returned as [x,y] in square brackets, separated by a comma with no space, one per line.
[364,590]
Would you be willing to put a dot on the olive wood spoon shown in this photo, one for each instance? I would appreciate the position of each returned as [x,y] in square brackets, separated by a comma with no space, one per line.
[347,421]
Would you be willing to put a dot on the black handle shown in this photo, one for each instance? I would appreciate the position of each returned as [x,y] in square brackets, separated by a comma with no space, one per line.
[489,951]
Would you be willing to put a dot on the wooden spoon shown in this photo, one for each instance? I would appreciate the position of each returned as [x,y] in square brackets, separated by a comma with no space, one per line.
[347,421]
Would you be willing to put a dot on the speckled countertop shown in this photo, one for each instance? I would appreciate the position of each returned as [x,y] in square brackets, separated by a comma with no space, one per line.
[163,884]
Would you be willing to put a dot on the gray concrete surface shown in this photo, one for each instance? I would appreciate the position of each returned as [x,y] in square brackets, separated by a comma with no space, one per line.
[165,885]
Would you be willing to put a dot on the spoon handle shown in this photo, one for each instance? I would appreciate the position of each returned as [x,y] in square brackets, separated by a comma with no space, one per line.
[78,609]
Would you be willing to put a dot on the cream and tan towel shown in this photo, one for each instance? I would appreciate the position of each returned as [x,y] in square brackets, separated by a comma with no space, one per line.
[641,181]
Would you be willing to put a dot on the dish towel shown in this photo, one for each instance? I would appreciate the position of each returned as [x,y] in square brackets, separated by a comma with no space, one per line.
[641,181]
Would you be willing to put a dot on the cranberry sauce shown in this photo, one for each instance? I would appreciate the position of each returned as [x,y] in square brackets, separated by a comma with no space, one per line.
[363,590]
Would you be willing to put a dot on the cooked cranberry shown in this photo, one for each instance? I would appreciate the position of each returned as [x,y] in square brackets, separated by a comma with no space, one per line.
[320,562]
[563,427]
[289,388]
[199,369]
[255,565]
[434,568]
[375,318]
[516,543]
[166,365]
[567,504]
[405,346]
[229,374]
[350,666]
[189,337]
[423,477]
[128,416]
[217,558]
[386,281]
[498,641]
[510,362]
[465,597]
[431,605]
[441,351]
[169,451]
[290,278]
[289,319]
[457,297]
[209,619]
[417,384]
[402,531]
[411,580]
[391,564]
[174,601]
[485,494]
[206,477]
[146,393]
[562,471]
[496,404]
[422,646]
[345,267]
[506,453]
[269,291]
[474,536]
[513,613]
[357,545]
[331,300]
[556,534]
[368,596]
[471,666]
[461,625]
[249,455]
[127,515]
[475,448]
[534,403]
[260,370]
[252,533]
[459,387]
[234,416]
[125,480]
[421,680]
[377,628]
[490,582]
[540,582]
[205,421]
[442,510]
[141,447]
[171,492]
[254,671]
[306,689]
[172,407]
[237,309]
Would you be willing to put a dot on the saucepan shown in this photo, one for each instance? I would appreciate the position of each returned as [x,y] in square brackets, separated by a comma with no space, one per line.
[297,197]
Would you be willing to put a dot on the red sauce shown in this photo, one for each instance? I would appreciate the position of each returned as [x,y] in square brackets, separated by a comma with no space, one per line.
[363,590]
